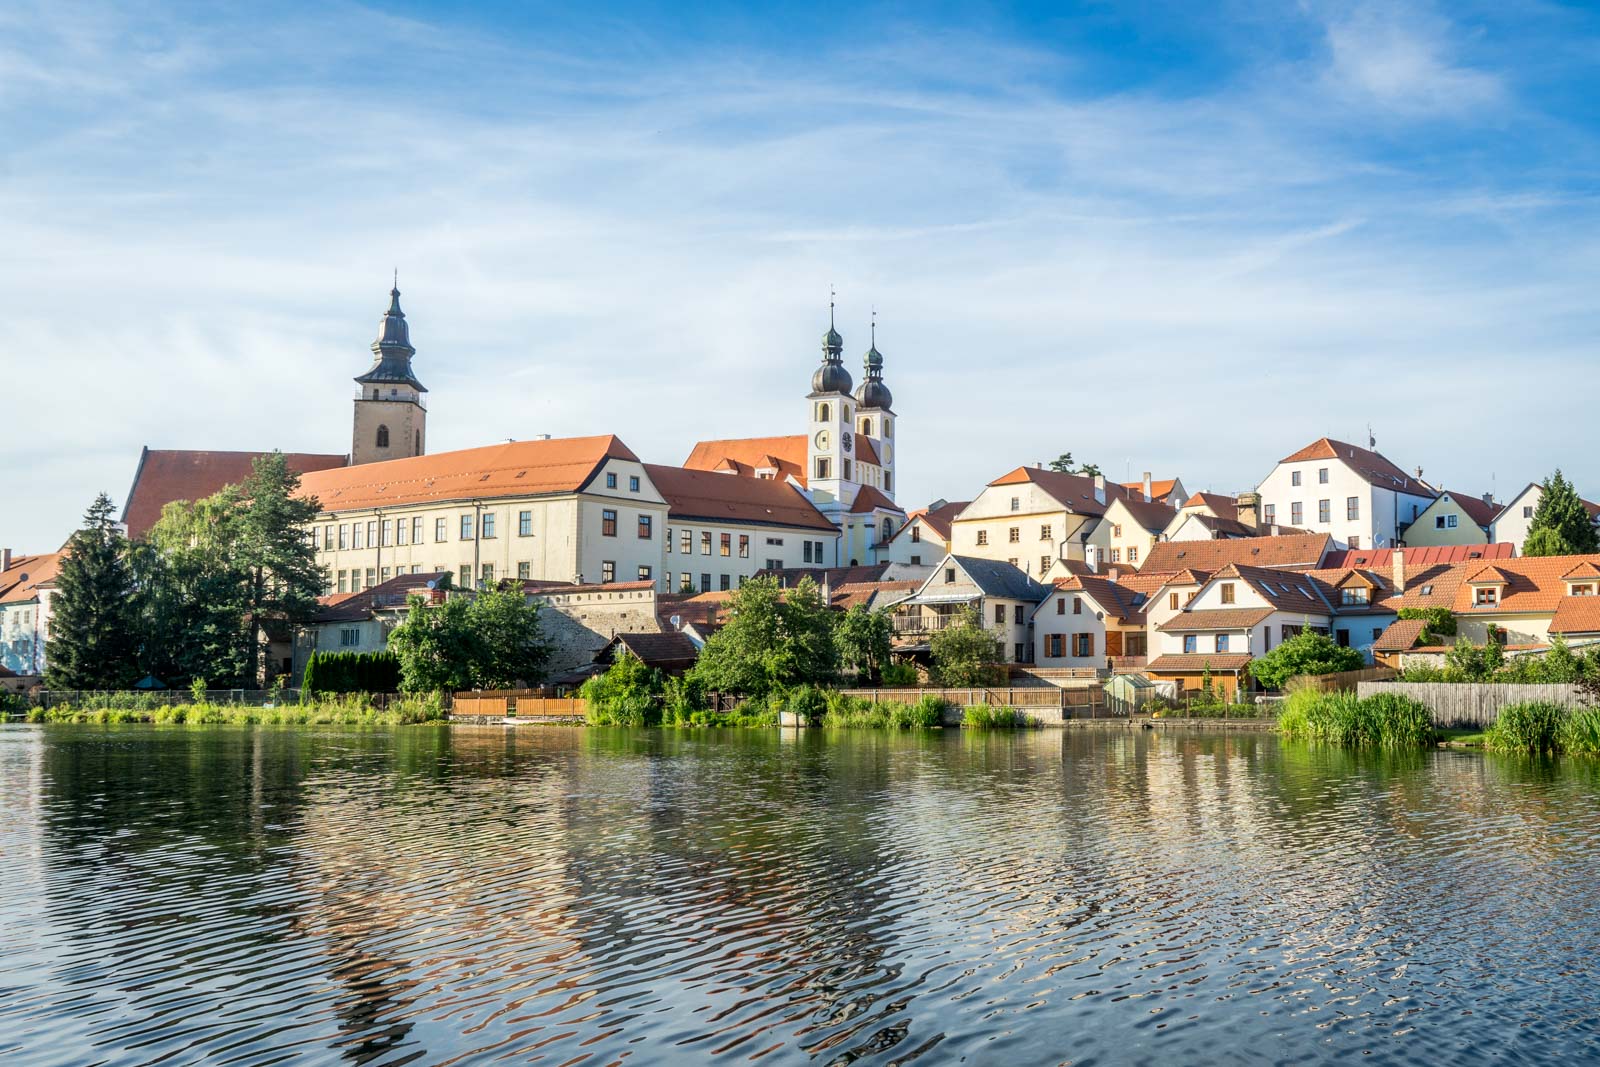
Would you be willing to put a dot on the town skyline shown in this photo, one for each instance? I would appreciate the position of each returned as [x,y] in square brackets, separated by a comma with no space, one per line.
[1364,232]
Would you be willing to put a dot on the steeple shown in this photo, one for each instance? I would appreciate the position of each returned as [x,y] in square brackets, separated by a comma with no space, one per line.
[392,350]
[873,393]
[831,377]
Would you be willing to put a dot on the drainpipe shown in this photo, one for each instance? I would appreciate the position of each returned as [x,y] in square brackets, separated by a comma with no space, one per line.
[477,541]
[378,569]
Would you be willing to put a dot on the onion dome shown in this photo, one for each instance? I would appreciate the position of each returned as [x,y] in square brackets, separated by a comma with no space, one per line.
[392,350]
[831,377]
[873,393]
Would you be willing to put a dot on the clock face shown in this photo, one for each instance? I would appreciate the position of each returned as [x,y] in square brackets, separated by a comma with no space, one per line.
[845,440]
[822,440]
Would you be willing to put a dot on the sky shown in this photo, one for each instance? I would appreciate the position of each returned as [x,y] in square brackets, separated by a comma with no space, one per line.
[1184,238]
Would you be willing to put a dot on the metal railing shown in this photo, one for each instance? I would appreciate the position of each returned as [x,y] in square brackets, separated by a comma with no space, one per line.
[924,624]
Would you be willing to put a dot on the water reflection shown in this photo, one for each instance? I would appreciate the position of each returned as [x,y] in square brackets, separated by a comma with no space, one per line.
[592,896]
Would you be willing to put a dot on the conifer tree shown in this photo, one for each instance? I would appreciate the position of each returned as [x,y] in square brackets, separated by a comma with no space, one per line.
[92,643]
[1561,524]
[275,553]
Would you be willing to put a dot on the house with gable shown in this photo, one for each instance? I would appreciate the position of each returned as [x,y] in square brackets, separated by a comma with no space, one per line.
[1512,522]
[1356,495]
[1090,621]
[1001,594]
[1453,519]
[1030,517]
[1168,491]
[1126,532]
[925,537]
[1526,600]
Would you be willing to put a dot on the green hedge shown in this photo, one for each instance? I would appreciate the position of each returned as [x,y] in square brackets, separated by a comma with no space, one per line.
[351,672]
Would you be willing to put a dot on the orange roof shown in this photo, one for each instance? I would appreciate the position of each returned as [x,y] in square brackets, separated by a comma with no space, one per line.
[1586,569]
[1115,599]
[1480,511]
[1375,468]
[1488,576]
[1222,505]
[1215,619]
[1195,662]
[936,519]
[512,469]
[20,582]
[1576,615]
[1532,584]
[869,499]
[1297,551]
[1432,555]
[1400,635]
[1075,492]
[710,497]
[165,475]
[746,455]
[866,452]
[1158,489]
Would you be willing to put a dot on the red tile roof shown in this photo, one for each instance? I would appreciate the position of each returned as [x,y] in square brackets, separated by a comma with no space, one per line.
[746,455]
[868,498]
[1195,662]
[1298,551]
[1074,492]
[1400,635]
[705,496]
[512,469]
[1475,508]
[1215,619]
[1221,505]
[1373,467]
[936,519]
[1432,555]
[1285,590]
[1158,489]
[1532,584]
[1120,601]
[166,475]
[19,583]
[1576,615]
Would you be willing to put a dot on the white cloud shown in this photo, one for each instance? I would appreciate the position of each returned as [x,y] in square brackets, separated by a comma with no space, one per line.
[1403,60]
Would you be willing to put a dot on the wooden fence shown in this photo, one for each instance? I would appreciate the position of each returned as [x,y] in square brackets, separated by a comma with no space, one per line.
[1340,682]
[1476,705]
[515,704]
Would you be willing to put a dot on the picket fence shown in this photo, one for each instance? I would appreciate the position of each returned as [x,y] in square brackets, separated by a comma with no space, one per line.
[1474,705]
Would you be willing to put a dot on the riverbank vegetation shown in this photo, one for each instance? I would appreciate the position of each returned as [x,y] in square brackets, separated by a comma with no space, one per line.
[1385,721]
[1543,728]
[1488,662]
[351,710]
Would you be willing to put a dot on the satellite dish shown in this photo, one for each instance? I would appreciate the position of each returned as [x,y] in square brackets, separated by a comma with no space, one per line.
[431,583]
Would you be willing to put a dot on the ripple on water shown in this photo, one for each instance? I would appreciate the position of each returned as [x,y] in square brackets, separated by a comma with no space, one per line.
[564,896]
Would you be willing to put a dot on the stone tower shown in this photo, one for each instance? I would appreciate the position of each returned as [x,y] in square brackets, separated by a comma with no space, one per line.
[391,420]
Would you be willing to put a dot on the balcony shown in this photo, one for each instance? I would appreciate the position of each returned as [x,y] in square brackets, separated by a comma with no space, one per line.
[924,623]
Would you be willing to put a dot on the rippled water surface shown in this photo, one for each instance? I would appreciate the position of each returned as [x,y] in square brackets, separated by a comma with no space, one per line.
[565,896]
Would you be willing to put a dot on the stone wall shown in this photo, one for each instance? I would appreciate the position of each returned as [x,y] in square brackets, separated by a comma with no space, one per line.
[578,625]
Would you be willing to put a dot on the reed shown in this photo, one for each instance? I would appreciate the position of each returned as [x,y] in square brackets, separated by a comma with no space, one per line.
[348,710]
[982,717]
[1386,722]
[1581,733]
[1537,728]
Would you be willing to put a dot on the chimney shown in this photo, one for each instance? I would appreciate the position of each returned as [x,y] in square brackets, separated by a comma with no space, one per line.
[1488,498]
[1147,487]
[1099,488]
[1249,509]
[1114,572]
[1397,562]
[5,559]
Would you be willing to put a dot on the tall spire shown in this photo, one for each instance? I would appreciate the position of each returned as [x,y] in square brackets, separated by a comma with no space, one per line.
[393,349]
[831,377]
[873,393]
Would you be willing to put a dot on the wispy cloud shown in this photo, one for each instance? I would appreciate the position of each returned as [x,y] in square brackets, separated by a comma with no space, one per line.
[194,247]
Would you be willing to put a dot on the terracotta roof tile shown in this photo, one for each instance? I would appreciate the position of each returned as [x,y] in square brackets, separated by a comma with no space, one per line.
[1383,558]
[1400,635]
[1532,584]
[1074,492]
[706,496]
[1293,591]
[1303,551]
[746,454]
[1194,662]
[1158,488]
[936,519]
[869,498]
[19,583]
[1576,615]
[1115,599]
[1215,619]
[166,475]
[1222,505]
[393,593]
[1373,467]
[512,469]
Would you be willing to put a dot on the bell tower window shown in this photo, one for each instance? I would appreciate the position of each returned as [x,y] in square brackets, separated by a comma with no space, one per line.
[822,412]
[824,468]
[383,437]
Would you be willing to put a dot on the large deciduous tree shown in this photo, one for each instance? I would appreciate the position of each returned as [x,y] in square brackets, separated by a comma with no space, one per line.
[93,642]
[965,654]
[862,638]
[1307,652]
[1561,525]
[489,640]
[774,639]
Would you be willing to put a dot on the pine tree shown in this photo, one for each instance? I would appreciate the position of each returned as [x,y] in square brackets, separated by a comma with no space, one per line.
[92,642]
[279,561]
[1561,524]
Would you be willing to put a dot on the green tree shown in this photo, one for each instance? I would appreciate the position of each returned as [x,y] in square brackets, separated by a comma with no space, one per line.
[1561,525]
[774,639]
[1307,652]
[92,641]
[489,640]
[863,641]
[279,562]
[965,654]
[627,694]
[193,594]
[1475,663]
[1063,464]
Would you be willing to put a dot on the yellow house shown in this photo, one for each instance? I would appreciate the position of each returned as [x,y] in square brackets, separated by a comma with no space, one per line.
[1453,519]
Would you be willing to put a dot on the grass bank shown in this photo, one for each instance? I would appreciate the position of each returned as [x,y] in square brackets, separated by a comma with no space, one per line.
[1542,728]
[332,711]
[1384,722]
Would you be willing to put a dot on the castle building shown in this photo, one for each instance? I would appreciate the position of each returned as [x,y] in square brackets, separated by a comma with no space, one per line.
[844,463]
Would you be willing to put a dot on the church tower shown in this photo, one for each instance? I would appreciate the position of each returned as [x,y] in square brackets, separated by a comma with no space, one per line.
[391,421]
[830,449]
[875,418]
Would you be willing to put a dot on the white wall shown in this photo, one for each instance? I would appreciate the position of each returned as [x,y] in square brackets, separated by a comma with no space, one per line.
[1053,619]
[1513,525]
[1377,515]
[791,553]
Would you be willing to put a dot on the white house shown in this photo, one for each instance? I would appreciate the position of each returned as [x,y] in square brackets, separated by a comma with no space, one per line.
[1030,517]
[1127,531]
[1511,523]
[26,585]
[1089,621]
[1355,495]
[1002,595]
[925,537]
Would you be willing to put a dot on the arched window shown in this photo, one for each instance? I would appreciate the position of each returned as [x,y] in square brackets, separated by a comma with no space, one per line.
[866,427]
[822,413]
[374,392]
[888,531]
[383,437]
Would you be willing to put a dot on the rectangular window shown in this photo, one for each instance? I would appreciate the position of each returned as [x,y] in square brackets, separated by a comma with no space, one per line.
[1116,529]
[847,474]
[608,571]
[465,572]
[486,574]
[1016,614]
[524,570]
[705,583]
[1352,508]
[1222,642]
[686,582]
[686,542]
[744,548]
[1527,512]
[645,531]
[344,537]
[949,575]
[1014,535]
[1342,638]
[372,533]
[723,584]
[1438,522]
[1355,542]
[608,522]
[1061,606]
[611,480]
[488,524]
[816,551]
[725,544]
[1172,601]
[1354,594]
[1450,522]
[383,575]
[644,571]
[1044,565]
[1000,614]
[1077,605]
[416,530]
[1269,512]
[1324,511]
[633,483]
[1083,644]
[1133,553]
[705,542]
[916,561]
[1294,477]
[1296,517]
[441,528]
[358,535]
[1044,533]
[466,528]
[402,528]
[524,524]
[1053,644]
[1016,503]
[327,537]
[344,581]
[983,537]
[1227,592]
[1116,555]
[1191,643]
[385,533]
[1490,595]
[1322,475]
[916,533]
[824,471]
[805,552]
[372,576]
[349,635]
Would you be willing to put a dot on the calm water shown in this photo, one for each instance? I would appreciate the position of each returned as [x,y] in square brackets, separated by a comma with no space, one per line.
[565,896]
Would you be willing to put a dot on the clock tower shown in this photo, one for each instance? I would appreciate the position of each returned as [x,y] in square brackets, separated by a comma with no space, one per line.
[830,441]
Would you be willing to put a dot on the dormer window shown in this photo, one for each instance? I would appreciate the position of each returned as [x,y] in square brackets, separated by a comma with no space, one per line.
[1581,589]
[1486,595]
[1353,595]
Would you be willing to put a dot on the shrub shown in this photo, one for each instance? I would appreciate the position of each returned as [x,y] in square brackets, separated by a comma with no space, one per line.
[1536,727]
[1307,652]
[808,702]
[899,674]
[627,694]
[1581,733]
[983,717]
[350,672]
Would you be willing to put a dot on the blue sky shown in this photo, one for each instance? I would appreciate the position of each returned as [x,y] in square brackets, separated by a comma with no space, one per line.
[1182,238]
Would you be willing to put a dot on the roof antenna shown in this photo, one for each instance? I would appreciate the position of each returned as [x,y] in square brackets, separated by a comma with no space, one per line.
[1372,442]
[397,279]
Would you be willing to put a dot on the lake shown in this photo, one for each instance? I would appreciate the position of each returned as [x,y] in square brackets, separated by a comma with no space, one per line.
[440,895]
